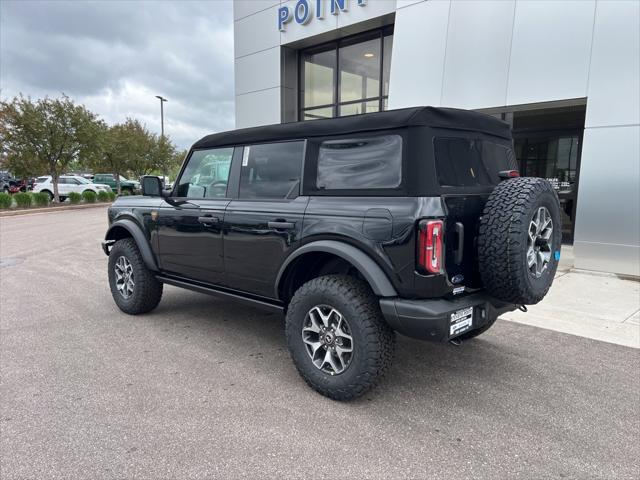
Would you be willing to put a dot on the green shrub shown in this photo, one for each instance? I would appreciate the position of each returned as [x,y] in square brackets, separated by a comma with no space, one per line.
[41,199]
[5,200]
[89,196]
[103,196]
[23,199]
[112,195]
[126,192]
[75,197]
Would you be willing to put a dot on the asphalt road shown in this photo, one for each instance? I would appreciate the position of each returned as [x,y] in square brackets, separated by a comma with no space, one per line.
[203,388]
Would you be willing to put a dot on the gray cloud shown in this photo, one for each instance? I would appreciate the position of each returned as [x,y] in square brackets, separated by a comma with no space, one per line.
[115,56]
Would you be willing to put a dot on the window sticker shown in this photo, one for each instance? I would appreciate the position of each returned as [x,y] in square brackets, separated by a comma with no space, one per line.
[245,156]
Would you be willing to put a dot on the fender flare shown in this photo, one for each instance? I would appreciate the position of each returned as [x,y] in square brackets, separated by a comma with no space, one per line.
[138,236]
[369,269]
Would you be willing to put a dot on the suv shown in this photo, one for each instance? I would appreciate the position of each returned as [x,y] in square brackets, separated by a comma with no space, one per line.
[7,182]
[412,221]
[128,186]
[66,185]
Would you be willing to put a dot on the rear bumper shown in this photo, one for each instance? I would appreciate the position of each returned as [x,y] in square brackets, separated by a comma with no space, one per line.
[431,319]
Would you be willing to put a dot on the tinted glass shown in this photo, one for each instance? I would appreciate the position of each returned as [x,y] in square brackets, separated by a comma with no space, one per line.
[206,174]
[346,77]
[360,70]
[42,179]
[464,162]
[360,163]
[319,77]
[271,170]
[386,63]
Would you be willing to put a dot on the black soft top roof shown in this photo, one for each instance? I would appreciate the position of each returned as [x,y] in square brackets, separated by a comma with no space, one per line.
[450,118]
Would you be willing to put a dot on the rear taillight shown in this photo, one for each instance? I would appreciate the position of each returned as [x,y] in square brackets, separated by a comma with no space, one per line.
[430,245]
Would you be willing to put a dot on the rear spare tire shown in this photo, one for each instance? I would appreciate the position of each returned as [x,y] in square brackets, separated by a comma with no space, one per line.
[519,240]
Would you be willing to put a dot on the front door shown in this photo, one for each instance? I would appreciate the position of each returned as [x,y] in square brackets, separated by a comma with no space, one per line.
[263,224]
[190,223]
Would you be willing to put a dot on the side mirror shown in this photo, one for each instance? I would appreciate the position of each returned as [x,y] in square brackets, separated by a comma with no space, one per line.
[151,186]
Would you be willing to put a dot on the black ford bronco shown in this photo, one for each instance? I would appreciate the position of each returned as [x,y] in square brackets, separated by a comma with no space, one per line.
[412,221]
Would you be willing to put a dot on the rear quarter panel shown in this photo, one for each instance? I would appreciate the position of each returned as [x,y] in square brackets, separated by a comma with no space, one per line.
[382,227]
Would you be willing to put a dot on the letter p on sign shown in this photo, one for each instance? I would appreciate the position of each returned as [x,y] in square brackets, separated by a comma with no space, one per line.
[284,16]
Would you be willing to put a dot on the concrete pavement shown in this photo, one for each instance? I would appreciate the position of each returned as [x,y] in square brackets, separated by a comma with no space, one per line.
[593,305]
[204,388]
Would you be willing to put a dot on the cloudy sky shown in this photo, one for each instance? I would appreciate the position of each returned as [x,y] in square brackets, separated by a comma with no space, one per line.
[115,56]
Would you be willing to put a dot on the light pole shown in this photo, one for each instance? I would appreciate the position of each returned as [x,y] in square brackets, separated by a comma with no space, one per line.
[162,100]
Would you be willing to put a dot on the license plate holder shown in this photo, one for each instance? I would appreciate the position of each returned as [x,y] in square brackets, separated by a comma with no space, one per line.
[460,321]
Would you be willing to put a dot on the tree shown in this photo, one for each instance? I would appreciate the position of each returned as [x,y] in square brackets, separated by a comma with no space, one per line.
[124,147]
[163,155]
[48,134]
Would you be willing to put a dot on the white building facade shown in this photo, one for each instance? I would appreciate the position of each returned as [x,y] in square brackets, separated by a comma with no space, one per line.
[564,73]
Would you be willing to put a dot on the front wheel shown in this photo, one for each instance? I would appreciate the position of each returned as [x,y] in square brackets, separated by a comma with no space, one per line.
[134,287]
[337,337]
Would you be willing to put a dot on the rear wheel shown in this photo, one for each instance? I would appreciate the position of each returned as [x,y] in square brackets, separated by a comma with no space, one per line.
[337,337]
[134,287]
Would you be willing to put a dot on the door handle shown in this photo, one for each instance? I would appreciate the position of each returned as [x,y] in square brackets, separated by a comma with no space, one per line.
[278,225]
[459,252]
[208,220]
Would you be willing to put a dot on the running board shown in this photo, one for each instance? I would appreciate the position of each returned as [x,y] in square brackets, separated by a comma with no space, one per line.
[218,292]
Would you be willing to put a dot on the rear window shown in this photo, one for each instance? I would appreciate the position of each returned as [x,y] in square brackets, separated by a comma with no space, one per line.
[42,179]
[466,162]
[360,163]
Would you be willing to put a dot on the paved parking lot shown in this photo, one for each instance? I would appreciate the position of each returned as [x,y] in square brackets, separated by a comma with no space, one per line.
[203,388]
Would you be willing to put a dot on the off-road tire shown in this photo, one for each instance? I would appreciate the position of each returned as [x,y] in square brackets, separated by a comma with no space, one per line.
[503,236]
[147,291]
[373,339]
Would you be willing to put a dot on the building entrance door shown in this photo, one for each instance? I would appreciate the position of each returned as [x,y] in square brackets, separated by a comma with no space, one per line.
[556,157]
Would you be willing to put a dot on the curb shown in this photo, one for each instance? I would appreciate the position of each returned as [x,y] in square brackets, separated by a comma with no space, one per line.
[27,211]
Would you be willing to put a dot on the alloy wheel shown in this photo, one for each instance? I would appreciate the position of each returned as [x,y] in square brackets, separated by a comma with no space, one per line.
[328,340]
[539,242]
[125,282]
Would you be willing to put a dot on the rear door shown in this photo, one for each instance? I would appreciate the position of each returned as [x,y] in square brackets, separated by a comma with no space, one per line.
[190,223]
[467,169]
[264,222]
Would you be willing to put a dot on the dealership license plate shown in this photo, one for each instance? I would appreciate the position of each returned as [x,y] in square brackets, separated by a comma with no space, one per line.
[461,321]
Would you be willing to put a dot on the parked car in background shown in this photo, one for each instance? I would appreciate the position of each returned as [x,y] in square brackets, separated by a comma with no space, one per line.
[68,184]
[130,186]
[6,182]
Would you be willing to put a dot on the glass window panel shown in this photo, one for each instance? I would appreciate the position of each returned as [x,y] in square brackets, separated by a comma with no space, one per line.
[319,77]
[360,70]
[271,170]
[360,107]
[359,163]
[386,63]
[206,174]
[316,113]
[465,162]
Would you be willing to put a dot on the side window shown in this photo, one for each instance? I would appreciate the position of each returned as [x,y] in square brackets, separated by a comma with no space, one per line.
[466,162]
[271,170]
[360,163]
[206,174]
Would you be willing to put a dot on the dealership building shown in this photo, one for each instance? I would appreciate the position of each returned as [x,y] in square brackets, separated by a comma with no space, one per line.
[565,74]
